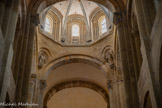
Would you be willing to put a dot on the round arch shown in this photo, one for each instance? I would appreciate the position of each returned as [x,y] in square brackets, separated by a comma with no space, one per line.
[76,83]
[73,82]
[75,59]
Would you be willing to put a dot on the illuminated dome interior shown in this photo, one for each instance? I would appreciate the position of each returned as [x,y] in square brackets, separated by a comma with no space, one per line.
[85,22]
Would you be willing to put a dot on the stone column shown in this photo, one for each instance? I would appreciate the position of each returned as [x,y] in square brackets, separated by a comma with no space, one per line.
[28,63]
[130,65]
[117,92]
[134,55]
[18,54]
[8,51]
[22,60]
[95,30]
[60,31]
[121,94]
[118,21]
[111,95]
[41,88]
[32,89]
[55,31]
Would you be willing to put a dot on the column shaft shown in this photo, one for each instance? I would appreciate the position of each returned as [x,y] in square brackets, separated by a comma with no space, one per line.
[131,66]
[32,88]
[28,62]
[135,62]
[41,88]
[20,70]
[124,59]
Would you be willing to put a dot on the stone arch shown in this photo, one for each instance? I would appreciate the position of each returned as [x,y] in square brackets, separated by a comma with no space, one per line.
[111,4]
[147,101]
[46,50]
[76,83]
[108,47]
[74,58]
[108,55]
[42,7]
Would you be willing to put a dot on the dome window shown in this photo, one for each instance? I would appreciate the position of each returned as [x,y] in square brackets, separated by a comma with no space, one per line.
[75,30]
[48,25]
[102,25]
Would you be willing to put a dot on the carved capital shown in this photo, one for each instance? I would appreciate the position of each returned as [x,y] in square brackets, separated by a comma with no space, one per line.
[110,84]
[117,17]
[109,58]
[35,19]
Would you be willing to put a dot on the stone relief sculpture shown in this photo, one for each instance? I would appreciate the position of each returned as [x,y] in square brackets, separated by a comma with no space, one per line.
[109,58]
[42,59]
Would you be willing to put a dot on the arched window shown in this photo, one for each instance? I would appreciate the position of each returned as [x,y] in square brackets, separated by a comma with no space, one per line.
[75,30]
[48,24]
[102,25]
